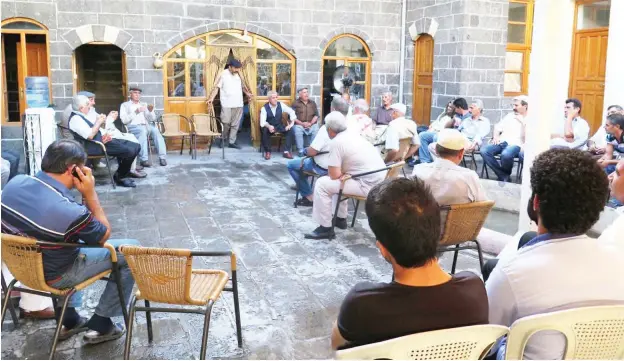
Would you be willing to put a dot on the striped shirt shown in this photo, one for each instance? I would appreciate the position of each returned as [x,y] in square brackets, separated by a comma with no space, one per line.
[43,208]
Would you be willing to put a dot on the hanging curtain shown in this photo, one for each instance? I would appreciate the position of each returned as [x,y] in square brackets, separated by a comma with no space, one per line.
[214,66]
[247,57]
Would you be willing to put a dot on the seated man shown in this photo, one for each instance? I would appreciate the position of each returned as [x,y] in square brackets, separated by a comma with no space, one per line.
[444,120]
[449,182]
[615,141]
[398,129]
[306,119]
[349,154]
[124,150]
[6,171]
[140,118]
[360,122]
[382,117]
[475,128]
[405,219]
[13,158]
[575,129]
[596,145]
[561,268]
[615,231]
[43,207]
[460,107]
[271,122]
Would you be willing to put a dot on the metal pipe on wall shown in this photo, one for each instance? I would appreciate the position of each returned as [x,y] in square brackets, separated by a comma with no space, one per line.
[402,46]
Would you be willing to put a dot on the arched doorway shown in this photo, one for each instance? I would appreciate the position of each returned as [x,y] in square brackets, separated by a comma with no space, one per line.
[345,56]
[25,54]
[192,66]
[423,79]
[101,69]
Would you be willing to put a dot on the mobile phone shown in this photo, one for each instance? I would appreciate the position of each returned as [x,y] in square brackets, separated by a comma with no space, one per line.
[75,173]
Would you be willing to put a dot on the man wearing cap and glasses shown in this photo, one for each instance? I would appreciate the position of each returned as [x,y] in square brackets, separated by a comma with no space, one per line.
[231,96]
[140,118]
[400,128]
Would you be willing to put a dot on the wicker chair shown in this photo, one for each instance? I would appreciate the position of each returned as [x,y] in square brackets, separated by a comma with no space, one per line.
[171,128]
[94,158]
[592,333]
[311,175]
[205,125]
[23,258]
[461,343]
[463,224]
[392,169]
[166,276]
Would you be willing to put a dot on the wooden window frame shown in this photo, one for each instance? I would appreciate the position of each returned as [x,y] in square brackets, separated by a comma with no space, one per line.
[525,48]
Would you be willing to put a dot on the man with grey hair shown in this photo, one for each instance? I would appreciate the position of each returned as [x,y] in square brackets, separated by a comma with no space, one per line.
[360,122]
[400,128]
[475,128]
[125,151]
[383,116]
[349,154]
[340,105]
[307,117]
[271,122]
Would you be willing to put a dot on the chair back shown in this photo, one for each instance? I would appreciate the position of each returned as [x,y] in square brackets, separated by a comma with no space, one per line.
[24,260]
[592,333]
[161,274]
[394,169]
[404,146]
[204,124]
[171,123]
[461,343]
[464,222]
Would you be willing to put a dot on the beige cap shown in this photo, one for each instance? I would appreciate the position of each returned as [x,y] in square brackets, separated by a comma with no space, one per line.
[522,98]
[451,139]
[399,107]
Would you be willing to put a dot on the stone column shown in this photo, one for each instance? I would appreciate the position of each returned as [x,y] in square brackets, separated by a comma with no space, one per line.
[613,92]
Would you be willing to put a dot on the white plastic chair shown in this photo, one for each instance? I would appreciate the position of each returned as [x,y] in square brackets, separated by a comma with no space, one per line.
[461,343]
[595,333]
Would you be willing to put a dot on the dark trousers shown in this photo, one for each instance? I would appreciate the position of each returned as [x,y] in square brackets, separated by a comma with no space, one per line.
[488,267]
[125,151]
[266,138]
[14,159]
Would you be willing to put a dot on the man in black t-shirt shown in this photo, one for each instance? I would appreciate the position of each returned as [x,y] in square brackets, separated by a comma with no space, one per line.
[406,221]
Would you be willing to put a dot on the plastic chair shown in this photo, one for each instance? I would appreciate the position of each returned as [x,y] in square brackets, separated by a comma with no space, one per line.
[204,125]
[461,343]
[166,276]
[392,172]
[463,224]
[171,128]
[592,333]
[23,257]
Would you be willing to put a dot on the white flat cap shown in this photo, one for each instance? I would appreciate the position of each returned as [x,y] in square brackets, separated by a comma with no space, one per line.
[399,107]
[451,139]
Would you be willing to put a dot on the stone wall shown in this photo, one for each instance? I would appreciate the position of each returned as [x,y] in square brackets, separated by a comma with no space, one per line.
[469,51]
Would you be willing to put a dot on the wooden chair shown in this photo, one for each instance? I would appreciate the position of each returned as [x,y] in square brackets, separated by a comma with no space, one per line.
[463,224]
[23,258]
[205,125]
[310,175]
[592,333]
[166,276]
[461,343]
[91,157]
[392,169]
[171,129]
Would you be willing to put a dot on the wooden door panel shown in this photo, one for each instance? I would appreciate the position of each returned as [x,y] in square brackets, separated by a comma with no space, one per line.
[423,79]
[5,94]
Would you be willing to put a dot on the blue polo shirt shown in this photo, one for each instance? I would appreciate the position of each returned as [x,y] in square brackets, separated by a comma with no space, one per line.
[41,207]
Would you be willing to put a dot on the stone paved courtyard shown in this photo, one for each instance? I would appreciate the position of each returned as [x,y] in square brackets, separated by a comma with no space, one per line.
[290,288]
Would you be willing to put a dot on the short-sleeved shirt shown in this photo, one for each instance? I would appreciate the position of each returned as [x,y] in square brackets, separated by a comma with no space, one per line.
[305,112]
[401,128]
[353,155]
[321,144]
[41,207]
[231,94]
[374,312]
[618,144]
[383,116]
[475,130]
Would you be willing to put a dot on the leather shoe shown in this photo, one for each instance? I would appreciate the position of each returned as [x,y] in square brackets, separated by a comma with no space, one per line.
[234,145]
[321,233]
[304,202]
[341,223]
[137,174]
[146,163]
[139,167]
[267,155]
[163,162]
[46,314]
[124,182]
[287,155]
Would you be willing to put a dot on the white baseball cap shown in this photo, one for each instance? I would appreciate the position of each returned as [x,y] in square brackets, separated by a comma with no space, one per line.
[522,98]
[451,139]
[399,107]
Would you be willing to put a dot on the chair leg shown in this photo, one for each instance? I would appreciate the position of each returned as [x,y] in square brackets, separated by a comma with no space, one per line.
[239,332]
[182,147]
[7,301]
[129,330]
[296,197]
[357,204]
[122,302]
[464,163]
[480,254]
[209,145]
[336,210]
[110,172]
[404,174]
[148,317]
[455,259]
[59,323]
[223,146]
[202,352]
[474,161]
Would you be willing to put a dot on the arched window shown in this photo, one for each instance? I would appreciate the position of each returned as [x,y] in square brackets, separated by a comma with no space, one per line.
[346,69]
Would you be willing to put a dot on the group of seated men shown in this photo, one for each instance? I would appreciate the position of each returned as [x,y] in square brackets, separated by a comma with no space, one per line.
[81,121]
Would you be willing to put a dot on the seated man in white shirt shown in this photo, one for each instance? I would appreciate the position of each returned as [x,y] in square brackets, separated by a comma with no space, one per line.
[561,268]
[575,129]
[360,122]
[476,127]
[140,118]
[124,150]
[398,129]
[271,122]
[349,154]
[615,231]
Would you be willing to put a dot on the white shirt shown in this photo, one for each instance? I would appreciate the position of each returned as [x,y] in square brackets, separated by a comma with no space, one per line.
[321,144]
[353,155]
[511,129]
[615,232]
[110,128]
[475,130]
[600,138]
[440,122]
[128,115]
[450,183]
[401,128]
[554,275]
[80,127]
[285,109]
[231,94]
[581,134]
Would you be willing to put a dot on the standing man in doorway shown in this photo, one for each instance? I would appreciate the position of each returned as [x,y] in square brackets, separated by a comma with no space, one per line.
[231,96]
[140,118]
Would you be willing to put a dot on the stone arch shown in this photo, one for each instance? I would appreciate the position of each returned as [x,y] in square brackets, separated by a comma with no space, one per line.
[234,25]
[93,32]
[349,30]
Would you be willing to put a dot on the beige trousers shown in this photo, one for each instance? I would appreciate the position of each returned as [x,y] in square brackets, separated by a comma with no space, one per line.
[326,195]
[231,117]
